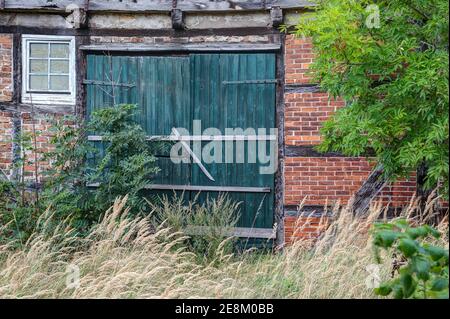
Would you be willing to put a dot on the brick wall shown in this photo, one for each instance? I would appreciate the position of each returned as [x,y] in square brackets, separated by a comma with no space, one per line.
[319,180]
[6,130]
[304,115]
[42,127]
[298,58]
[41,124]
[327,180]
[304,228]
[6,62]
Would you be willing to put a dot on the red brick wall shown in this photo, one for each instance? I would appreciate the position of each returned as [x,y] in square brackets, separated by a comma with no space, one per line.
[43,136]
[327,180]
[303,228]
[304,115]
[6,130]
[42,127]
[319,181]
[6,83]
[298,57]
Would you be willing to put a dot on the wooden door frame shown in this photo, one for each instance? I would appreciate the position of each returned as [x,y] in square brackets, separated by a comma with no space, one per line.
[278,50]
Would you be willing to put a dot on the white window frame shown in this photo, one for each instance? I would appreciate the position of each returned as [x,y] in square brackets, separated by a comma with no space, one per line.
[49,98]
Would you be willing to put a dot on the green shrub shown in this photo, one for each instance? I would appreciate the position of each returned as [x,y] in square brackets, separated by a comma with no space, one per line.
[123,165]
[424,273]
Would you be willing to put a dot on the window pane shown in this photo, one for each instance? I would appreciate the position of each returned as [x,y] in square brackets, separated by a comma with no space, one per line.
[38,50]
[59,50]
[38,82]
[59,82]
[59,66]
[39,66]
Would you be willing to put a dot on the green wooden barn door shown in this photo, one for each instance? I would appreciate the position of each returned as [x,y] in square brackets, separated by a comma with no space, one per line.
[160,86]
[237,91]
[220,90]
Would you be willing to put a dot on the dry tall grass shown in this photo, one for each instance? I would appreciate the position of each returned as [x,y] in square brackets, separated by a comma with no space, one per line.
[121,258]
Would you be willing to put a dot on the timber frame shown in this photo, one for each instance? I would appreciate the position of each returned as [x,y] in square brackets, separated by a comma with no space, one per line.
[176,11]
[151,6]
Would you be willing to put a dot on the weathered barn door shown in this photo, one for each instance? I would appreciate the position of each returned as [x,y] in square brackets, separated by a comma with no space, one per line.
[237,91]
[219,91]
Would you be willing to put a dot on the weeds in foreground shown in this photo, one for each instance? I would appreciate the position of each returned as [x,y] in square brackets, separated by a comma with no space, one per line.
[123,258]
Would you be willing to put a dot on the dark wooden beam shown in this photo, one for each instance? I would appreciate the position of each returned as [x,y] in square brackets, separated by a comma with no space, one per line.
[17,108]
[276,14]
[181,47]
[177,19]
[280,117]
[141,32]
[308,210]
[146,6]
[41,5]
[368,191]
[308,151]
[302,88]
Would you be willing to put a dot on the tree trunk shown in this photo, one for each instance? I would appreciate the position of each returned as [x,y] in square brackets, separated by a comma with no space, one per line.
[422,193]
[367,192]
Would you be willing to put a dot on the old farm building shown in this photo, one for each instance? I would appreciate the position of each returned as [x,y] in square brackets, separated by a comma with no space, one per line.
[223,64]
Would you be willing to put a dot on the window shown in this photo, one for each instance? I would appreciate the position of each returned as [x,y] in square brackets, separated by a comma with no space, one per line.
[48,69]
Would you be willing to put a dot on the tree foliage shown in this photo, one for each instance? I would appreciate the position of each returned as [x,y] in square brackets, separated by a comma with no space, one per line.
[389,61]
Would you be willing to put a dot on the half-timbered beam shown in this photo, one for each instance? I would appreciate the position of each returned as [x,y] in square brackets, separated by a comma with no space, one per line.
[154,6]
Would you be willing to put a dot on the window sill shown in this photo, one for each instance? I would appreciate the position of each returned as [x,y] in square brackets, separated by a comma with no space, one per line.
[48,99]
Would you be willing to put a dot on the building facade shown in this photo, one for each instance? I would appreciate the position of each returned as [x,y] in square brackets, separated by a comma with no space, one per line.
[224,63]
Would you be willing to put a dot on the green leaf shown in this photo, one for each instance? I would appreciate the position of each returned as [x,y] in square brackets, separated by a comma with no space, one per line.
[439,284]
[383,290]
[421,267]
[385,238]
[435,252]
[408,284]
[401,223]
[408,247]
[398,292]
[417,232]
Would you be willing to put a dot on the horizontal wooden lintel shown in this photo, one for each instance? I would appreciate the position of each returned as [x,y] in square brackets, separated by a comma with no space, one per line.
[182,47]
[310,151]
[147,6]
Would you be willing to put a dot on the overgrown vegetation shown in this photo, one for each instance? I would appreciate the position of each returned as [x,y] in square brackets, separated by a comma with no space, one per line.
[389,61]
[125,257]
[206,224]
[122,163]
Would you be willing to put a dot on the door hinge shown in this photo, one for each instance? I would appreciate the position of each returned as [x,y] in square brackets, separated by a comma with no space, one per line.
[109,83]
